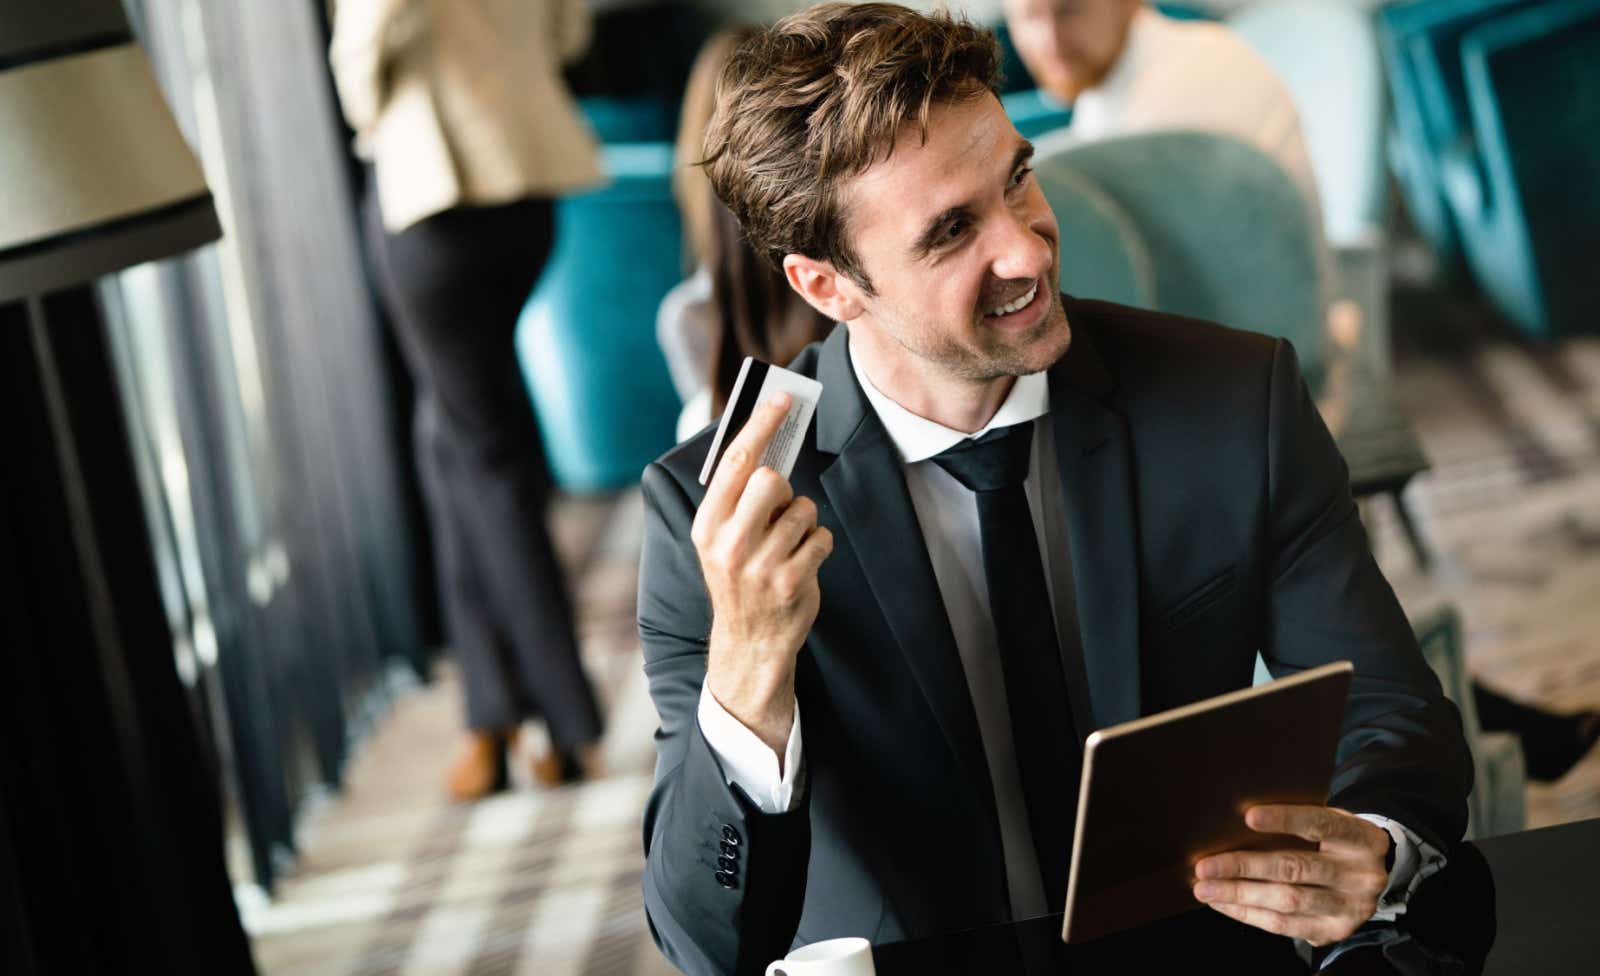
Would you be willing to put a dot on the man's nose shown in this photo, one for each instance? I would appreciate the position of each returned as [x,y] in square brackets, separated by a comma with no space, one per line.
[1021,252]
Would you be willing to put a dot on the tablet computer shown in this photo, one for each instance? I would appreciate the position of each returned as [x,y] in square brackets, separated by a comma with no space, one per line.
[1163,791]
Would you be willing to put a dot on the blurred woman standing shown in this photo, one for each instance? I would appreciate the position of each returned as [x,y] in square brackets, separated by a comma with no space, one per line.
[735,304]
[459,107]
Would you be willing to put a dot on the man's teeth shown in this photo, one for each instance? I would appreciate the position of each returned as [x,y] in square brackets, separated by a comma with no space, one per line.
[1016,305]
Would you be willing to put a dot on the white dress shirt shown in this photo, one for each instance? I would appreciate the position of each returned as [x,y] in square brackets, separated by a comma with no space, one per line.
[947,512]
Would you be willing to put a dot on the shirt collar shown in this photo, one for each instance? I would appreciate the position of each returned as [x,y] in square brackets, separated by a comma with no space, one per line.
[918,438]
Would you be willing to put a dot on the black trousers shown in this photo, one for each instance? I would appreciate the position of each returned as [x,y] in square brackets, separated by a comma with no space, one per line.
[454,285]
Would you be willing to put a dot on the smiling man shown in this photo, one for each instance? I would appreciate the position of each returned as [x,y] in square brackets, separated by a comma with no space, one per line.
[1018,517]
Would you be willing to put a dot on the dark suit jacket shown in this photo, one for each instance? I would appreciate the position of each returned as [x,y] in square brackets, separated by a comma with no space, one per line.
[1209,516]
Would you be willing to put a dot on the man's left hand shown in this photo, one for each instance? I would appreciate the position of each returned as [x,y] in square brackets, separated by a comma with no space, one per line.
[1320,896]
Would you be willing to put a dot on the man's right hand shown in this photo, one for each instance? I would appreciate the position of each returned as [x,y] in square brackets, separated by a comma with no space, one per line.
[760,548]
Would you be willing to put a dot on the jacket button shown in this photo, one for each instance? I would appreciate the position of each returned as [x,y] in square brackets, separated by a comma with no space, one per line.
[730,835]
[729,850]
[727,879]
[727,864]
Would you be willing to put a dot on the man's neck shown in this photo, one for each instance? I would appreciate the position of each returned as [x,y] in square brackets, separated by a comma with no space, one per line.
[918,386]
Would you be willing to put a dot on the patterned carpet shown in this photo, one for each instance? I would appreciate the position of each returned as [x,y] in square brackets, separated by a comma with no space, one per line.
[394,880]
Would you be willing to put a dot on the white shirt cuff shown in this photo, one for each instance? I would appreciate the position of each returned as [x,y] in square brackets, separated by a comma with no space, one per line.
[1415,861]
[748,762]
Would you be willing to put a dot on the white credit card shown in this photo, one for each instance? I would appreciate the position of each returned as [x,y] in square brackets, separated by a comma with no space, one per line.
[757,382]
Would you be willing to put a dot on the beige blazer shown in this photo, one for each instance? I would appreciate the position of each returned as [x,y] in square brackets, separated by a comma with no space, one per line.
[462,101]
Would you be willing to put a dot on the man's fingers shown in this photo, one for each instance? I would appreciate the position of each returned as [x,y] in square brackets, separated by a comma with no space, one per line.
[1315,931]
[1281,898]
[1317,824]
[740,460]
[1287,867]
[1261,918]
[765,494]
[814,548]
[796,519]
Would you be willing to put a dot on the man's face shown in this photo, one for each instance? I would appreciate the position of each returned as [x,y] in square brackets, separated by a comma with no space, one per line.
[951,232]
[1069,45]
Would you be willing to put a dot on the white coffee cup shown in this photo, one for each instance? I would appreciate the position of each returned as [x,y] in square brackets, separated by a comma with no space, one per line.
[835,957]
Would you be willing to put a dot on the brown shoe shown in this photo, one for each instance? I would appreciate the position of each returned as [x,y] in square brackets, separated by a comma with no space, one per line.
[555,767]
[479,768]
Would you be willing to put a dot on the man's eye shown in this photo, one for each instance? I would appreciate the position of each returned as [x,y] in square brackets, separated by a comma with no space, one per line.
[954,230]
[1021,176]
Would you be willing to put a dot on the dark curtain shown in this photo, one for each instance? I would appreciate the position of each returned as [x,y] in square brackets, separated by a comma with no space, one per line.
[110,825]
[294,503]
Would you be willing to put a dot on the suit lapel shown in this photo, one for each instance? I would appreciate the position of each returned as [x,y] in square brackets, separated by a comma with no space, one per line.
[1095,463]
[866,488]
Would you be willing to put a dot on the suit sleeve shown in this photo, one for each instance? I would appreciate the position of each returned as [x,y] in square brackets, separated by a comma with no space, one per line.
[1402,753]
[694,817]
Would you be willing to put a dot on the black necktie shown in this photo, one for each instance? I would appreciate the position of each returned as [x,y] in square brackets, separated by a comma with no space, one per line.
[994,467]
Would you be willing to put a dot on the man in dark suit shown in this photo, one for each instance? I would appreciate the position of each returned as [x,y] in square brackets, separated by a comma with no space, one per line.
[1018,517]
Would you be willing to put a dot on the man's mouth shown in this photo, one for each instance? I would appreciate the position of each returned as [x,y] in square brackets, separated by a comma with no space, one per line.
[1015,305]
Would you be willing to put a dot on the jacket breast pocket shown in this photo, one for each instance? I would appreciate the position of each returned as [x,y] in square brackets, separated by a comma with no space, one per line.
[1196,602]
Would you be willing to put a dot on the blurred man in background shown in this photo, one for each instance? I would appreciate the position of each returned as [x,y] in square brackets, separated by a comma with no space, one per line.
[1125,68]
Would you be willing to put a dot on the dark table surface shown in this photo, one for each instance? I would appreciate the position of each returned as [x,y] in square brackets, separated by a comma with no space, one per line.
[1525,903]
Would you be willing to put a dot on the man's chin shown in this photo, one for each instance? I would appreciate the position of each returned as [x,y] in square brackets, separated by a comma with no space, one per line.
[1046,352]
[1034,351]
[1064,90]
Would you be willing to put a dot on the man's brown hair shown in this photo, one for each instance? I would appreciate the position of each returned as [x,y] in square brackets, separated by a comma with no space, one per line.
[820,97]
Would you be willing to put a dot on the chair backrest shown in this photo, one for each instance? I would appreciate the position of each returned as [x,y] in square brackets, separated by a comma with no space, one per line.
[1102,254]
[1532,78]
[1229,236]
[586,339]
[1326,53]
[1420,42]
[638,118]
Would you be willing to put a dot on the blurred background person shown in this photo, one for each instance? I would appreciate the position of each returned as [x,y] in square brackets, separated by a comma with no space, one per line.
[735,304]
[460,108]
[1125,68]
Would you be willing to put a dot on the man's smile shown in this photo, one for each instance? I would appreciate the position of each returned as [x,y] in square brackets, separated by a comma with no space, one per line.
[1014,303]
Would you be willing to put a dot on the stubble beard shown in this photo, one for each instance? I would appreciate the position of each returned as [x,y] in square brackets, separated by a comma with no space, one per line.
[1033,351]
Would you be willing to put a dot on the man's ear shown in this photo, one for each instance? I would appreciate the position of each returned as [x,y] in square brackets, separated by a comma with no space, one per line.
[823,287]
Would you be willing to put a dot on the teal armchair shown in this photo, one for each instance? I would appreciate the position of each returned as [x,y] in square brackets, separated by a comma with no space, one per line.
[586,339]
[1420,44]
[1102,254]
[1227,231]
[630,118]
[1525,190]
